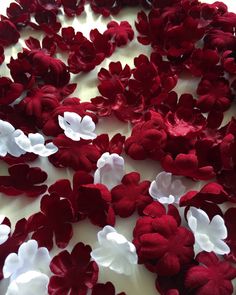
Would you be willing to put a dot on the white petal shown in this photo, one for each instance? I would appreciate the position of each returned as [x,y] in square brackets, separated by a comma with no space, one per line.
[167,200]
[4,233]
[29,283]
[36,138]
[221,248]
[11,265]
[204,242]
[23,142]
[217,227]
[6,128]
[203,220]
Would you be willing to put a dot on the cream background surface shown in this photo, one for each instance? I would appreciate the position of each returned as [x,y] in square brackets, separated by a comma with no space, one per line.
[141,281]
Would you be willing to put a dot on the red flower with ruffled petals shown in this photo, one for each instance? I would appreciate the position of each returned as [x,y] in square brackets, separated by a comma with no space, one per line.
[13,243]
[213,276]
[218,39]
[73,272]
[105,7]
[130,195]
[147,139]
[8,33]
[9,91]
[54,219]
[185,122]
[213,94]
[162,245]
[206,199]
[187,165]
[229,61]
[105,289]
[94,202]
[78,155]
[121,33]
[23,180]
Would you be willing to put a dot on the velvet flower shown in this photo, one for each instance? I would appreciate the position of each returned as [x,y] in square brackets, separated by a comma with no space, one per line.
[73,272]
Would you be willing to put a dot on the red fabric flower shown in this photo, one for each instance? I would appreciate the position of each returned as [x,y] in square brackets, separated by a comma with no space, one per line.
[121,33]
[115,145]
[213,94]
[78,155]
[9,91]
[54,219]
[105,289]
[23,179]
[18,15]
[94,202]
[206,199]
[187,165]
[229,218]
[8,33]
[130,195]
[73,273]
[73,7]
[162,245]
[218,39]
[211,277]
[147,139]
[13,243]
[185,122]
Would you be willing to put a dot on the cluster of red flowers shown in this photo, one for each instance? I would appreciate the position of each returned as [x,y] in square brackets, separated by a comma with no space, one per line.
[184,133]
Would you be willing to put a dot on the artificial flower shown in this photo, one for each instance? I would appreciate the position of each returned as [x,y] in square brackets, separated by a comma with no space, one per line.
[110,170]
[120,33]
[23,179]
[209,235]
[167,188]
[76,127]
[35,143]
[211,276]
[29,258]
[8,140]
[9,90]
[131,194]
[114,251]
[8,33]
[94,202]
[73,272]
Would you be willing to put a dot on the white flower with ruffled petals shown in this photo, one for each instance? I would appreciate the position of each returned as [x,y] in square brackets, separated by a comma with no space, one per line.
[35,143]
[209,235]
[115,251]
[29,283]
[167,189]
[29,258]
[7,143]
[110,170]
[4,230]
[75,127]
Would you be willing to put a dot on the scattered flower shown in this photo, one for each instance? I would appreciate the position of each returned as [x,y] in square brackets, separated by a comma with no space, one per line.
[110,170]
[114,251]
[76,127]
[35,143]
[167,188]
[209,235]
[73,272]
[8,143]
[105,289]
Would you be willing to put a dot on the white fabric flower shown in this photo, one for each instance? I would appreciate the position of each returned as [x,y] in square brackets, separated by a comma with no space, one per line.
[4,230]
[29,283]
[110,170]
[76,127]
[209,235]
[115,251]
[166,189]
[35,143]
[29,258]
[7,143]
